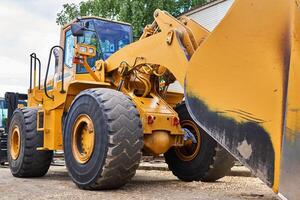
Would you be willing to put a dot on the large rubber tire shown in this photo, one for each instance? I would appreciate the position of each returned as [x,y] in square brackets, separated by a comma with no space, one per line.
[30,162]
[117,143]
[210,164]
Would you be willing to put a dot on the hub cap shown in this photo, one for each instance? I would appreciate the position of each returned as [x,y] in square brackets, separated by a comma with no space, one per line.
[83,138]
[15,143]
[190,149]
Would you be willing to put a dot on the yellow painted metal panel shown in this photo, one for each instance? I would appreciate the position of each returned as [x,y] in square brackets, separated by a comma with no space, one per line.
[236,83]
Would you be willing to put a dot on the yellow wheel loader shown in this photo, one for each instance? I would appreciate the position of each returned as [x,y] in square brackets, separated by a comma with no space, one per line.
[111,100]
[104,115]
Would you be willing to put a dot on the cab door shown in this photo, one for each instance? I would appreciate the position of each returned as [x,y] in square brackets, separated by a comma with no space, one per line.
[65,59]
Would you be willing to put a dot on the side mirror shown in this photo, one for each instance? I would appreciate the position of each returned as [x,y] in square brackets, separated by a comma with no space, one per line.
[77,29]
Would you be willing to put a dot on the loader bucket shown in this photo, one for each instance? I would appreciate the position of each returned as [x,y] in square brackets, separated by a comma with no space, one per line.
[242,86]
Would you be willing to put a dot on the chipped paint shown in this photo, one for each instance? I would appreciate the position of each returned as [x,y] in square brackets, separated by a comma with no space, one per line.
[245,149]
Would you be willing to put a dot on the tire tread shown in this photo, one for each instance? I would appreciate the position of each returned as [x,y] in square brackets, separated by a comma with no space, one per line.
[125,139]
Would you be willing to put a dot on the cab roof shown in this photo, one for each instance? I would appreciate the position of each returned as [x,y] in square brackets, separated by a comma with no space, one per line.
[95,17]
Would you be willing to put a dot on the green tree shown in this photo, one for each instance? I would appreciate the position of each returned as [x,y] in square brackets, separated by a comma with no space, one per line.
[136,12]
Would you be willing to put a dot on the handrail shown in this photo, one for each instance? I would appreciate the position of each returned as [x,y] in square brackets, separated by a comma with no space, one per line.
[33,56]
[47,71]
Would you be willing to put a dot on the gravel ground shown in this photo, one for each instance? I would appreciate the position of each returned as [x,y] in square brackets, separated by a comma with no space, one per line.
[147,184]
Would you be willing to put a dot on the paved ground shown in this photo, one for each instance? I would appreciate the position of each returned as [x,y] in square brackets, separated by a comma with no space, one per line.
[147,184]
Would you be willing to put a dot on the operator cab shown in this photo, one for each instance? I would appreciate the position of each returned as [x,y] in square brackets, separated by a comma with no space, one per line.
[107,36]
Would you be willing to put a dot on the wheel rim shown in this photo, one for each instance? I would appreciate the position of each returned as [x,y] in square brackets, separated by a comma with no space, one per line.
[83,138]
[189,150]
[15,143]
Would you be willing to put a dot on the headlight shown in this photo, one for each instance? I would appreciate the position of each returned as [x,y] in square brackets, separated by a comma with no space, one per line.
[85,50]
[91,50]
[82,49]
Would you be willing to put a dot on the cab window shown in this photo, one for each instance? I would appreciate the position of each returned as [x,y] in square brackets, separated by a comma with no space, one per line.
[69,48]
[113,36]
[107,36]
[90,37]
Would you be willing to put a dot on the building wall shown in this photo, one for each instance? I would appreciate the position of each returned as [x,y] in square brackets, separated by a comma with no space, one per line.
[210,16]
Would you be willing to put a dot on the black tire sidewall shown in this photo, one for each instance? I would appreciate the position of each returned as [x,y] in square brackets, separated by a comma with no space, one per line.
[17,119]
[85,174]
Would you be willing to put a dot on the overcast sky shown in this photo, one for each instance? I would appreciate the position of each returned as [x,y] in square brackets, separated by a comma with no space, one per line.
[26,26]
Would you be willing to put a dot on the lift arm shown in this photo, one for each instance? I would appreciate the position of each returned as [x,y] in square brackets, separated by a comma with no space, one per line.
[168,42]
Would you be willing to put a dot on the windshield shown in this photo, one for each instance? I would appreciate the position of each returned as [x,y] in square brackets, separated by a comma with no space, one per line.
[112,36]
[108,37]
[3,113]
